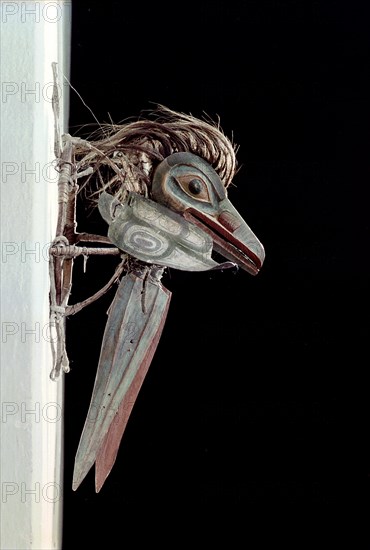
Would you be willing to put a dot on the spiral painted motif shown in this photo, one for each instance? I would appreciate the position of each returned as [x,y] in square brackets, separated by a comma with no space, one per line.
[138,238]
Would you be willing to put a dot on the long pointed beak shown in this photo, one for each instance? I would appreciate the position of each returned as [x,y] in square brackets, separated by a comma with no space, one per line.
[231,236]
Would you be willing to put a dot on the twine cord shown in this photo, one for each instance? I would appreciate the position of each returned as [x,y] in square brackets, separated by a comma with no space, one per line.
[57,317]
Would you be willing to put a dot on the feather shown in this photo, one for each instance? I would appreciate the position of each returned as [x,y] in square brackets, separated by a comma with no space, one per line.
[123,156]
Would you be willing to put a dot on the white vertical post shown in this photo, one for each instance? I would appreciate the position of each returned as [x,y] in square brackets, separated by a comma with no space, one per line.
[33,36]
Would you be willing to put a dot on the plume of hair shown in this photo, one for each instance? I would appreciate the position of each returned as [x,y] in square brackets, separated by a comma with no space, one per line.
[121,157]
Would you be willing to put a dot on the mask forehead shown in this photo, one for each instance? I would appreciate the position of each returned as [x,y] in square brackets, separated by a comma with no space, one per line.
[188,160]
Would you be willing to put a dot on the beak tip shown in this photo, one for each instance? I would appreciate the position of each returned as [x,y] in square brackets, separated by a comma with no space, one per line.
[260,253]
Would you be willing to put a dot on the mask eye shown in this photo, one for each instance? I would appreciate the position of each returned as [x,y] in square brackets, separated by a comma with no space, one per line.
[195,187]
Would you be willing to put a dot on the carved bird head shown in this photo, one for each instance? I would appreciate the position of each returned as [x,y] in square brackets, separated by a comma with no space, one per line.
[162,187]
[187,184]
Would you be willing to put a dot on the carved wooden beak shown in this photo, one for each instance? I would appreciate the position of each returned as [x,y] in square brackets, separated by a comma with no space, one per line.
[231,236]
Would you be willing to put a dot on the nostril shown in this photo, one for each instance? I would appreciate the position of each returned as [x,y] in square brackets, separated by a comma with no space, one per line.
[229,221]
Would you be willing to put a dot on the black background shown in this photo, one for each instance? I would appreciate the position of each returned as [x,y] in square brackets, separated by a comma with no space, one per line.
[254,410]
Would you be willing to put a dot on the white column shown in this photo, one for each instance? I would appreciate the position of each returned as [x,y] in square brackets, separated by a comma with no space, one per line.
[33,36]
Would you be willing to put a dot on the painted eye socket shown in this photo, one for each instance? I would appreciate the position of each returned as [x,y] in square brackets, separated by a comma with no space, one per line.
[195,187]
